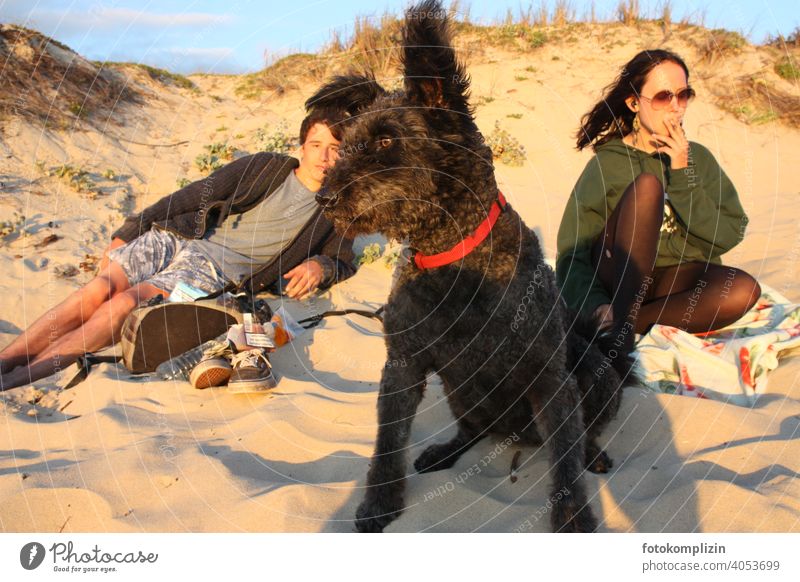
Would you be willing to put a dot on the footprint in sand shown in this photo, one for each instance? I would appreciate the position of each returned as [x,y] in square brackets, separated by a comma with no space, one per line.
[36,405]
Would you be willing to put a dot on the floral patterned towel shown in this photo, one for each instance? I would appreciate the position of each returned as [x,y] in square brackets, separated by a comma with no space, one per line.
[730,364]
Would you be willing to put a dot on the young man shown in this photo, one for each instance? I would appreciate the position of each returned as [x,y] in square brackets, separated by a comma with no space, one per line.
[249,226]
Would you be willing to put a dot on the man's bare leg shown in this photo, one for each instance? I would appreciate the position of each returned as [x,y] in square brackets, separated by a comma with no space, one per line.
[101,330]
[67,316]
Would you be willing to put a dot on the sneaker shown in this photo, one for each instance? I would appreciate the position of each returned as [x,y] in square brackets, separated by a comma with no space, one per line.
[252,372]
[213,369]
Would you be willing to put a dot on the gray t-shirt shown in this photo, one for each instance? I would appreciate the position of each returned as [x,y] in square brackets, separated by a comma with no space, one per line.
[255,237]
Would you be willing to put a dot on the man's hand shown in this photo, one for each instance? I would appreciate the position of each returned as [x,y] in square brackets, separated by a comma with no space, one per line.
[115,242]
[303,279]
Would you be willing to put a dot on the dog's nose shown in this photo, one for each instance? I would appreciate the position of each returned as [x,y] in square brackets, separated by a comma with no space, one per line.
[326,197]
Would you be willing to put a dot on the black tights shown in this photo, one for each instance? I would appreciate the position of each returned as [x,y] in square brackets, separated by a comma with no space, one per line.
[693,296]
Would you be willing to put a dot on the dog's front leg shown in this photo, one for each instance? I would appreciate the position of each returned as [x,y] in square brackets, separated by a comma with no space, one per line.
[400,394]
[556,405]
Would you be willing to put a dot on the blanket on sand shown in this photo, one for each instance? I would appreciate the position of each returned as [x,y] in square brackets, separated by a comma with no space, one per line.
[730,364]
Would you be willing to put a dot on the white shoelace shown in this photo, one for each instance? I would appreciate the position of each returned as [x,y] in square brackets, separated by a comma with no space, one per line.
[249,358]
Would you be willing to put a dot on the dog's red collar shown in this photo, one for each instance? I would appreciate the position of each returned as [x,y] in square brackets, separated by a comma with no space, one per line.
[467,245]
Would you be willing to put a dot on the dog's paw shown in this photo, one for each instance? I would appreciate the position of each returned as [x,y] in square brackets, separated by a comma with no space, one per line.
[372,515]
[598,461]
[436,458]
[570,517]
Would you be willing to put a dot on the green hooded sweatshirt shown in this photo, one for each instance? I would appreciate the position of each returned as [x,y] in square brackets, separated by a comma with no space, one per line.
[703,218]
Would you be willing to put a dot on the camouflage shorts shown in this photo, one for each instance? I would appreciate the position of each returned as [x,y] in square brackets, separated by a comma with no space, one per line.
[162,259]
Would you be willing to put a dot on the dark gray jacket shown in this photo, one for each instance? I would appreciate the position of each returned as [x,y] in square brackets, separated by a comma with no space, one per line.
[235,188]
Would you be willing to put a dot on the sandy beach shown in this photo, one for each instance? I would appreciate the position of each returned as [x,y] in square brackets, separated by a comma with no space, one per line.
[124,454]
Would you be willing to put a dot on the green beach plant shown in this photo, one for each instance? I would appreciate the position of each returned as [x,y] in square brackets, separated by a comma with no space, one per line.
[506,148]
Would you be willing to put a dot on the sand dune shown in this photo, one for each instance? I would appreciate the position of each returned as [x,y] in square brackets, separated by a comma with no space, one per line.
[127,455]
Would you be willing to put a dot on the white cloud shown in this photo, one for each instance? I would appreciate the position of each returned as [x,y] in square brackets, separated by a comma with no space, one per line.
[99,19]
[115,17]
[123,34]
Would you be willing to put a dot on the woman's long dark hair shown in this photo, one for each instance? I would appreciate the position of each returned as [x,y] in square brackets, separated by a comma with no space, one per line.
[611,117]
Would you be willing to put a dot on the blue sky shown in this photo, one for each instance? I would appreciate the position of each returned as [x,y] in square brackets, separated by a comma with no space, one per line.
[236,36]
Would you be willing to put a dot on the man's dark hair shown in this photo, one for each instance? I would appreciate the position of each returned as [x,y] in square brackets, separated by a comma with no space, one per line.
[332,118]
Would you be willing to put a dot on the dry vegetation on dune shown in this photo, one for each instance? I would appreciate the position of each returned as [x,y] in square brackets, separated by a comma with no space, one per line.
[45,81]
[757,84]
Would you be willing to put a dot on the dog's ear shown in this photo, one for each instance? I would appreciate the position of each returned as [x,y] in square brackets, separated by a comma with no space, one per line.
[350,93]
[433,75]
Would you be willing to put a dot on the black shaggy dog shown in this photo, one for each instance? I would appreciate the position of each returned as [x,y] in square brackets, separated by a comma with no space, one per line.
[490,323]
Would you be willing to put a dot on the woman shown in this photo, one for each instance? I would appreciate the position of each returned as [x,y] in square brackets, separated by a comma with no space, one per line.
[642,234]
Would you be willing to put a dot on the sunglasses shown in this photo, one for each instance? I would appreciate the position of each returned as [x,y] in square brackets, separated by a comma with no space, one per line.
[663,99]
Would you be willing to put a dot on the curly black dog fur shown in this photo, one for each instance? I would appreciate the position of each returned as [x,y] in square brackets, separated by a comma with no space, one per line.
[513,361]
